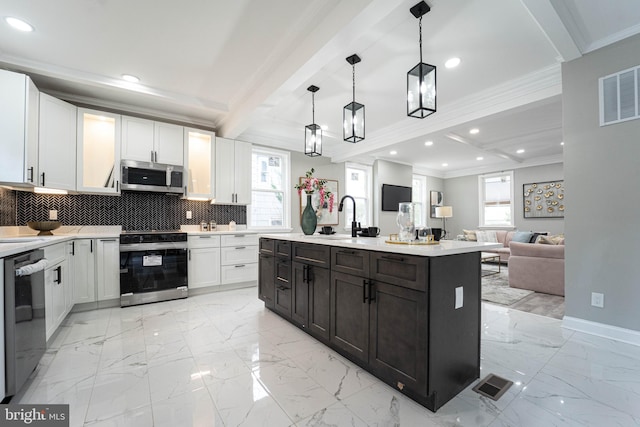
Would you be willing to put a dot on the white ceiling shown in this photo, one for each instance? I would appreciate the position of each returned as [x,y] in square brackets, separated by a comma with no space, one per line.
[243,68]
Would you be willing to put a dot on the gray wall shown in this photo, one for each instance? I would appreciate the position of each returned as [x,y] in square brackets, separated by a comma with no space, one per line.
[385,172]
[462,194]
[602,173]
[434,184]
[300,164]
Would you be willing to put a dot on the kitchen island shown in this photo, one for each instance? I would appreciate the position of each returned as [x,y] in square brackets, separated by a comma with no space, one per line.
[408,314]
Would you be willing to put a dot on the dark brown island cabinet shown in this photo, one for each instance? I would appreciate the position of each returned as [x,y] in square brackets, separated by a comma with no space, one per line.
[413,321]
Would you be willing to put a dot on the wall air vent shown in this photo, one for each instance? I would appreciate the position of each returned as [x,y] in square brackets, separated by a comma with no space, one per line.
[619,96]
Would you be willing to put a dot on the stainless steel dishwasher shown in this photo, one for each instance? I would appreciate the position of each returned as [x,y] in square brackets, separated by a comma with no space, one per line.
[24,327]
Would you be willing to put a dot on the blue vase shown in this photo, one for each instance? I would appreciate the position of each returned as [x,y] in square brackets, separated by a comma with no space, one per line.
[309,220]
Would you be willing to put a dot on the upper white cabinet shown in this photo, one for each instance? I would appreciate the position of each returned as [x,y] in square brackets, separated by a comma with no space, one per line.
[233,171]
[57,145]
[19,106]
[199,157]
[149,141]
[98,166]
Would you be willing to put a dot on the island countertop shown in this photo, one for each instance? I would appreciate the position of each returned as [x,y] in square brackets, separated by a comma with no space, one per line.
[444,247]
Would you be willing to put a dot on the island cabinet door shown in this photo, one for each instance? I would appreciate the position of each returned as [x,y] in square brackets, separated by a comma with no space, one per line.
[398,337]
[319,302]
[350,315]
[266,246]
[300,294]
[266,280]
[283,287]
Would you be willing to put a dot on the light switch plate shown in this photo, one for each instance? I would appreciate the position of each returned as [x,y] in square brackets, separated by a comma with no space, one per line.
[189,215]
[459,297]
[53,215]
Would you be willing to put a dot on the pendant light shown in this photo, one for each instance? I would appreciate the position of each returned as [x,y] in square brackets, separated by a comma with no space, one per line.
[421,79]
[353,113]
[313,132]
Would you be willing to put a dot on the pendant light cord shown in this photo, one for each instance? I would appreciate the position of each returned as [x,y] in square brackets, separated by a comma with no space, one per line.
[313,108]
[354,82]
[420,29]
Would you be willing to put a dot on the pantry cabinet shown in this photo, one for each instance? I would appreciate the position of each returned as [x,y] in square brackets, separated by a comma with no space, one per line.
[19,112]
[150,141]
[233,172]
[98,152]
[57,145]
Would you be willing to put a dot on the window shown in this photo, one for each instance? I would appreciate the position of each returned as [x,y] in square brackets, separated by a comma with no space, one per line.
[496,199]
[419,197]
[270,193]
[358,185]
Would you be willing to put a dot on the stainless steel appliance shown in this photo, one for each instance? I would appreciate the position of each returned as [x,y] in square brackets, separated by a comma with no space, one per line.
[24,311]
[157,177]
[153,266]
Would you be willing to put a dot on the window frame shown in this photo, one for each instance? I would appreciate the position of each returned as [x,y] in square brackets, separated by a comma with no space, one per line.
[368,171]
[482,204]
[423,198]
[286,190]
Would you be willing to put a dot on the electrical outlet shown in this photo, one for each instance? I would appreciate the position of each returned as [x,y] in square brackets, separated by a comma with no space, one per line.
[597,299]
[53,215]
[189,215]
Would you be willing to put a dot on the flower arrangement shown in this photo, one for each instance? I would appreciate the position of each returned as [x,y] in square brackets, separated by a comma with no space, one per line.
[310,185]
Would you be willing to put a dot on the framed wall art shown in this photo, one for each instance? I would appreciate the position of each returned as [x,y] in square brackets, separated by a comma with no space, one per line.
[324,216]
[436,199]
[543,199]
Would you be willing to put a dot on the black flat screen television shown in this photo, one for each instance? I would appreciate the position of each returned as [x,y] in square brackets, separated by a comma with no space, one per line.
[394,194]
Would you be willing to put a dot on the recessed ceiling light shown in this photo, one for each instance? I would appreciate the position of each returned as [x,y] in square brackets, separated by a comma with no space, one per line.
[19,24]
[480,158]
[444,165]
[452,62]
[324,127]
[130,78]
[562,143]
[520,151]
[474,131]
[428,143]
[393,152]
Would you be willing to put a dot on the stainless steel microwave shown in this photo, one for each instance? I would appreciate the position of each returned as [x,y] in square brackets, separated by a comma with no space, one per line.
[157,177]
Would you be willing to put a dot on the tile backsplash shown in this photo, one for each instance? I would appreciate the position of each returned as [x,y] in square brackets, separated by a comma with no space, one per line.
[132,210]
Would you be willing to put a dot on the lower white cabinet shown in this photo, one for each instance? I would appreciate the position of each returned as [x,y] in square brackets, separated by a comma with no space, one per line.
[57,285]
[96,270]
[238,258]
[204,261]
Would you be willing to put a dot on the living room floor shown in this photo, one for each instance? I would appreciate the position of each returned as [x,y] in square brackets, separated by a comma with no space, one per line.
[222,359]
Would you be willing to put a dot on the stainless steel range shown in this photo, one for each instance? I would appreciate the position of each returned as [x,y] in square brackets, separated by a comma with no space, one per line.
[153,266]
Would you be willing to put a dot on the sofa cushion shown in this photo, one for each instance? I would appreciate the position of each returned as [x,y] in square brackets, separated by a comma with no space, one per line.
[537,251]
[488,236]
[470,235]
[558,239]
[522,236]
[535,235]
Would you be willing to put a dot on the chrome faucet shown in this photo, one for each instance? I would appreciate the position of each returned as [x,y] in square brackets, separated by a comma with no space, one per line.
[354,225]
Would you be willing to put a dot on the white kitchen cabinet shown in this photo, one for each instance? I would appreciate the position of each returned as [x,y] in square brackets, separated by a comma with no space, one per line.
[204,261]
[199,161]
[70,277]
[98,152]
[84,271]
[107,269]
[149,141]
[19,112]
[238,258]
[2,377]
[56,283]
[233,171]
[57,145]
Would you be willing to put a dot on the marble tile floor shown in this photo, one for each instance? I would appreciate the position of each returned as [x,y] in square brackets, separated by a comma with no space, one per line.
[222,359]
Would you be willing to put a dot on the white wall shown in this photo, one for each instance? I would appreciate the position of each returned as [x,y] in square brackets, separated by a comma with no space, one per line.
[385,172]
[602,177]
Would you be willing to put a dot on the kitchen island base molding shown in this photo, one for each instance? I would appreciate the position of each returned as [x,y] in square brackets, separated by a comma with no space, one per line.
[412,321]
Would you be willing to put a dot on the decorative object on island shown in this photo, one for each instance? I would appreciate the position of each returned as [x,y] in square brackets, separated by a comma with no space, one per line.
[353,112]
[436,200]
[444,212]
[321,195]
[543,199]
[313,132]
[406,221]
[421,79]
[44,227]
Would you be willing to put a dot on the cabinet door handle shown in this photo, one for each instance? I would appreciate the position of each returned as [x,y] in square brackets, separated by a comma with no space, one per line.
[347,252]
[305,278]
[189,254]
[364,291]
[43,179]
[372,292]
[91,246]
[393,258]
[73,248]
[117,186]
[58,270]
[152,156]
[30,179]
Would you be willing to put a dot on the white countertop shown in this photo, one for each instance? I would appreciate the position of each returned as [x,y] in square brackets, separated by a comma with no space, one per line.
[445,247]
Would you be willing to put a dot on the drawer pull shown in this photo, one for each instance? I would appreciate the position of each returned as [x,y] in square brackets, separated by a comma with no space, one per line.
[347,252]
[393,258]
[240,266]
[241,247]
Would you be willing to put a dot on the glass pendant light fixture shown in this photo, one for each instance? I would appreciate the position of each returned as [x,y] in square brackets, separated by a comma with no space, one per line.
[313,132]
[421,79]
[353,112]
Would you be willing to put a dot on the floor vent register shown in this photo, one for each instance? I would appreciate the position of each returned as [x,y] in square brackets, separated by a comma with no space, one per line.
[493,386]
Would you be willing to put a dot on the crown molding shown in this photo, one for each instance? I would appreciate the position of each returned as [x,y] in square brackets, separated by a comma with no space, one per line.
[541,161]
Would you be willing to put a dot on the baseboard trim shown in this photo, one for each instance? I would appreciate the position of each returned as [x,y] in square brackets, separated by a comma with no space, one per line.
[616,333]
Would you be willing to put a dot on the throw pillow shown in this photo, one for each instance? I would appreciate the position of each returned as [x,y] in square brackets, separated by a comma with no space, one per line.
[481,236]
[470,235]
[522,236]
[491,236]
[534,236]
[551,240]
